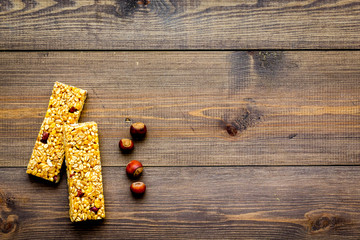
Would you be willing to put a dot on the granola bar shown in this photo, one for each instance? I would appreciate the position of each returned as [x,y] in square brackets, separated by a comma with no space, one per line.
[65,106]
[82,154]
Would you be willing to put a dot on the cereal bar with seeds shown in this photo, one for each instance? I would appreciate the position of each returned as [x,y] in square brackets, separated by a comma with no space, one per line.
[82,154]
[65,106]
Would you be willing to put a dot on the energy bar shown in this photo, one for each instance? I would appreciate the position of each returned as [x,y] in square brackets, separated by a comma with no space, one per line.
[65,106]
[82,154]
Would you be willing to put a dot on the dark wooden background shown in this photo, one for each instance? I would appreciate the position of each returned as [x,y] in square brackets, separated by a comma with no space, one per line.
[252,108]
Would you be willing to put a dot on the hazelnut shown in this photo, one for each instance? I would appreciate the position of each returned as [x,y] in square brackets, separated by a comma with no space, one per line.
[44,137]
[138,188]
[126,145]
[138,130]
[134,169]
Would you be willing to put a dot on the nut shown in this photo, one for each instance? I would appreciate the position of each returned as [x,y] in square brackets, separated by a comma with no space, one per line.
[138,188]
[44,137]
[72,110]
[94,209]
[79,193]
[134,169]
[138,130]
[126,145]
[56,178]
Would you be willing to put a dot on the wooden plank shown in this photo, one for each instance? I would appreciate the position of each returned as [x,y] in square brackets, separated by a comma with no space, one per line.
[194,202]
[201,108]
[181,24]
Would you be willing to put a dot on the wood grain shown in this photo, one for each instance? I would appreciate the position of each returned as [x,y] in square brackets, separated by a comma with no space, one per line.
[180,24]
[201,108]
[195,203]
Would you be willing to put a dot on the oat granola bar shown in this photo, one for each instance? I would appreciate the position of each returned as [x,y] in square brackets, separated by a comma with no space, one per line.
[65,105]
[82,154]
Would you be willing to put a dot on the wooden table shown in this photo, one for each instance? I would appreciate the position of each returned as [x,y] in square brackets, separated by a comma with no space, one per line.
[252,108]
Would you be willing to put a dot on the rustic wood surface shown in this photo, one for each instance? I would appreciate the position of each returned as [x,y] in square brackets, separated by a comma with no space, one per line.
[179,24]
[202,108]
[212,116]
[193,202]
[256,138]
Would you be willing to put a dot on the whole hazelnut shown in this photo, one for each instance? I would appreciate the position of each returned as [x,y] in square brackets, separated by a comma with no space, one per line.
[126,145]
[138,188]
[138,130]
[134,169]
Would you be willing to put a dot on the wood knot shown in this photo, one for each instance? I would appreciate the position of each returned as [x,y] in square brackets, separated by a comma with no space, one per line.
[6,5]
[291,136]
[8,220]
[7,202]
[231,130]
[126,8]
[320,223]
[238,121]
[324,221]
[9,225]
[143,2]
